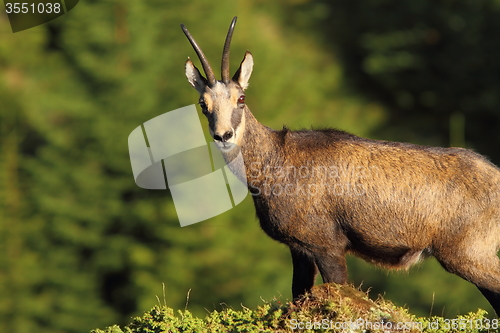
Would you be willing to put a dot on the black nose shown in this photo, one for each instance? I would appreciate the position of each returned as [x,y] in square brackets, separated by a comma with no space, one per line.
[226,136]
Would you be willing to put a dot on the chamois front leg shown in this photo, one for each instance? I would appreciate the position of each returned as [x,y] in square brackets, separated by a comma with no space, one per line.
[304,273]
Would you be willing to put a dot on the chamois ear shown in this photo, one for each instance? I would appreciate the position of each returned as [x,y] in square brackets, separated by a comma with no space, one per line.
[194,77]
[243,73]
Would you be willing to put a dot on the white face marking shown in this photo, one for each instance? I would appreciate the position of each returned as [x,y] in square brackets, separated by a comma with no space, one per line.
[225,115]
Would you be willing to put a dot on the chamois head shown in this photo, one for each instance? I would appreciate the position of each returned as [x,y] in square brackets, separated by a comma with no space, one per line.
[222,102]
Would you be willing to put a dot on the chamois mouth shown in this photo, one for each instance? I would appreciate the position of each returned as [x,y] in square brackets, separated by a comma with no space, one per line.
[225,146]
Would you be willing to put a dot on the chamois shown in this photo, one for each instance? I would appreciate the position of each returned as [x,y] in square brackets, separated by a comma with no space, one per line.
[326,193]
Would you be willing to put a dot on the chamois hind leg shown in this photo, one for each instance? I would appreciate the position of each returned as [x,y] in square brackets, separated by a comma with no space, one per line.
[493,298]
[332,267]
[304,272]
[476,261]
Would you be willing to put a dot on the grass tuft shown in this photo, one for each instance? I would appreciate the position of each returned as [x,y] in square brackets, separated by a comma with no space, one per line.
[328,308]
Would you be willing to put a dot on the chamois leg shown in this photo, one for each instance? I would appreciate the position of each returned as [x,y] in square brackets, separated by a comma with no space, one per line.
[332,267]
[476,262]
[304,273]
[493,298]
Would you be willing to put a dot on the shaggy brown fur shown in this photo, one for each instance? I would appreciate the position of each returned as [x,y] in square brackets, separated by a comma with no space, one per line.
[327,193]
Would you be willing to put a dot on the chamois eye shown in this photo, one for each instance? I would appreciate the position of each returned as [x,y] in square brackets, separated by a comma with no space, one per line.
[241,100]
[203,107]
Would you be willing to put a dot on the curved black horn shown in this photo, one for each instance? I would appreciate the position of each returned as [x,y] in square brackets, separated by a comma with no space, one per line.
[225,53]
[204,62]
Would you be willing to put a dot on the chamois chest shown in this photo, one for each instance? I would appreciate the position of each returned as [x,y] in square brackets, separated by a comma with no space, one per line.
[290,190]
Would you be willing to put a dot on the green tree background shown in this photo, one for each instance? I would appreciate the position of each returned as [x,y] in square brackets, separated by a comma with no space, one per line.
[81,246]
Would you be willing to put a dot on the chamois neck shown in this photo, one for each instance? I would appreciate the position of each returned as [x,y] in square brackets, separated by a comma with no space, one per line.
[259,142]
[259,147]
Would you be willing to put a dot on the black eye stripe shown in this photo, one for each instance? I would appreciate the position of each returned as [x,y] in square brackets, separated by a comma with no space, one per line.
[236,118]
[211,120]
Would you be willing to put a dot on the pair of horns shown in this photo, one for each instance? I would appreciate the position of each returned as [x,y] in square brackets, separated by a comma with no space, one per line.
[225,55]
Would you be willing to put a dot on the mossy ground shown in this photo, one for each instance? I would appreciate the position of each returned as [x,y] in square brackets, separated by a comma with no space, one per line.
[328,308]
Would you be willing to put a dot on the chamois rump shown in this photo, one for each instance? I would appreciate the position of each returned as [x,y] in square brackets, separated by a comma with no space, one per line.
[326,193]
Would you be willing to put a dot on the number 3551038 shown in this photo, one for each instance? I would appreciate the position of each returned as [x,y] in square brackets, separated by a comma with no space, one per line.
[31,8]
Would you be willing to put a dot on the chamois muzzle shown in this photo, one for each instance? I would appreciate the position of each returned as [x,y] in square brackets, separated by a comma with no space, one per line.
[225,137]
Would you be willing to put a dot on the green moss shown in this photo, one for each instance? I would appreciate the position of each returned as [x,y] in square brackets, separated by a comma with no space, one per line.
[329,308]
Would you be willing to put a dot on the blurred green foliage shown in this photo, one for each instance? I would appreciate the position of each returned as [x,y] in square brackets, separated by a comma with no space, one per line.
[81,246]
[433,64]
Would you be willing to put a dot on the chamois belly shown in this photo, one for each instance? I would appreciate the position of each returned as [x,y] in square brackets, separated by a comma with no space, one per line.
[389,236]
[385,238]
[381,251]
